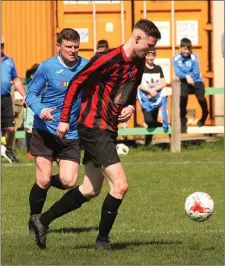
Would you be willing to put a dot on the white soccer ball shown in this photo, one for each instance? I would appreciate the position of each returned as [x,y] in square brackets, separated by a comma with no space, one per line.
[122,149]
[199,206]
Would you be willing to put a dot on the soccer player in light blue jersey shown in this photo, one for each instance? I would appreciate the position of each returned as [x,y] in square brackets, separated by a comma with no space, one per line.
[186,67]
[9,77]
[45,97]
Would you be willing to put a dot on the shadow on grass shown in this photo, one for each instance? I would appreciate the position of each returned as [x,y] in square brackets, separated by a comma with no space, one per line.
[124,245]
[74,230]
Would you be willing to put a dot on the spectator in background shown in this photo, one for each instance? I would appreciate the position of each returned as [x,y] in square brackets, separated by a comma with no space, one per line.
[28,113]
[186,68]
[102,46]
[152,83]
[9,77]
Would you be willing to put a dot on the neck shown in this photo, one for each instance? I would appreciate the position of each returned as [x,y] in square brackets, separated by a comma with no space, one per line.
[67,62]
[149,65]
[127,47]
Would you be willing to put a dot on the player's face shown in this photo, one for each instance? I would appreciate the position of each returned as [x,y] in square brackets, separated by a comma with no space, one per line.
[150,57]
[185,51]
[144,44]
[101,49]
[68,50]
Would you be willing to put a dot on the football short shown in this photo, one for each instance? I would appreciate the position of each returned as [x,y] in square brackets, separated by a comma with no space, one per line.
[99,146]
[7,114]
[44,143]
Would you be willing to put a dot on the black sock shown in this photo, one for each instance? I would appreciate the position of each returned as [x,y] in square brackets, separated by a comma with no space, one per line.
[56,182]
[37,199]
[28,140]
[109,212]
[70,201]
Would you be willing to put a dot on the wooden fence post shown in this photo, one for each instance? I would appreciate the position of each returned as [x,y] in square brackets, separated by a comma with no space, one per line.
[175,145]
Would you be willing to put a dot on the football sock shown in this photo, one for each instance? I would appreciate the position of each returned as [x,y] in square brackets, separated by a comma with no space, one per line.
[56,182]
[108,215]
[70,201]
[37,199]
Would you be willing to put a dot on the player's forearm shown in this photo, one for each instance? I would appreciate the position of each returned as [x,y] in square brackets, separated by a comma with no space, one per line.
[19,86]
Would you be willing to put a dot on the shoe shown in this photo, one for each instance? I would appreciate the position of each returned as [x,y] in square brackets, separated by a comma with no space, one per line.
[103,244]
[9,153]
[29,155]
[40,230]
[4,155]
[201,122]
[30,228]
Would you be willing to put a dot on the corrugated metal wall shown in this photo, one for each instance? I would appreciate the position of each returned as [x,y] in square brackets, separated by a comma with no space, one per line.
[28,30]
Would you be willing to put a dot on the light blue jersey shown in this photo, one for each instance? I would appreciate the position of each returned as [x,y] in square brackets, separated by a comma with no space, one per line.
[48,89]
[150,104]
[8,74]
[187,66]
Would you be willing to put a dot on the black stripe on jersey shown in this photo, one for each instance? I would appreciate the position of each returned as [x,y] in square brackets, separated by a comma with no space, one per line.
[114,92]
[106,77]
[105,65]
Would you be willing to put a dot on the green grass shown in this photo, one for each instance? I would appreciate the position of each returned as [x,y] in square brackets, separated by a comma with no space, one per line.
[151,227]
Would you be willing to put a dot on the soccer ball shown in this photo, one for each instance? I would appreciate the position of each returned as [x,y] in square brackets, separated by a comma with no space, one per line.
[199,206]
[122,149]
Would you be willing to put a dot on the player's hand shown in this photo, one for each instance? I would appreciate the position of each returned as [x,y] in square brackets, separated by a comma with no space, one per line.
[125,114]
[176,78]
[46,114]
[190,80]
[153,93]
[62,129]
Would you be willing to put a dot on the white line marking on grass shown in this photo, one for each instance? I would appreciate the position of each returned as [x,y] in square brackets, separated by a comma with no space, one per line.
[131,162]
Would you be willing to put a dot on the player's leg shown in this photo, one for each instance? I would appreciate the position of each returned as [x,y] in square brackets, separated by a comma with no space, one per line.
[200,94]
[8,127]
[68,159]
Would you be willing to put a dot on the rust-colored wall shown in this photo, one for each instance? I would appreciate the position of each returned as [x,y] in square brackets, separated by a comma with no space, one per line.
[28,30]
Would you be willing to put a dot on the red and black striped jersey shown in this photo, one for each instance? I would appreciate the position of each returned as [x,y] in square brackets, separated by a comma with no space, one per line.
[108,84]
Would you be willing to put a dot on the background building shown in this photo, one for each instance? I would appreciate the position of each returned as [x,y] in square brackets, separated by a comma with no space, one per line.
[30,29]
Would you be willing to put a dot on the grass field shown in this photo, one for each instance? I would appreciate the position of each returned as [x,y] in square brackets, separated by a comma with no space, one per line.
[152,227]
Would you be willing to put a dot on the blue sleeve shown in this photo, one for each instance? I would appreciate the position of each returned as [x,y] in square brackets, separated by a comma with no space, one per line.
[35,88]
[13,73]
[177,70]
[195,73]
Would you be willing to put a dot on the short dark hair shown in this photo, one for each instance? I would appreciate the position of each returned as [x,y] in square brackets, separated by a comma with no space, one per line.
[185,42]
[148,27]
[32,70]
[102,43]
[69,35]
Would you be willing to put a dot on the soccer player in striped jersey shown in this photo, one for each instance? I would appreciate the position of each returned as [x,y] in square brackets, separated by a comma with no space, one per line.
[109,85]
[45,97]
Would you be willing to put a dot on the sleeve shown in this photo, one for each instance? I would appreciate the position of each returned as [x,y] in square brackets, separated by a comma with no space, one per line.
[13,73]
[177,70]
[88,75]
[161,72]
[37,85]
[195,72]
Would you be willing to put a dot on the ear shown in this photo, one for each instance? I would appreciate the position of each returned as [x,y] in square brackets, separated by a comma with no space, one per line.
[137,39]
[58,48]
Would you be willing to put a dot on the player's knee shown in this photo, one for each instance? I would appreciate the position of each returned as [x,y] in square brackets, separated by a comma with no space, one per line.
[10,129]
[121,188]
[90,192]
[43,182]
[69,182]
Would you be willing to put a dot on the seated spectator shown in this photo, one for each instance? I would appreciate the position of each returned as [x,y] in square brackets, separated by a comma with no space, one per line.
[28,113]
[186,68]
[151,96]
[102,46]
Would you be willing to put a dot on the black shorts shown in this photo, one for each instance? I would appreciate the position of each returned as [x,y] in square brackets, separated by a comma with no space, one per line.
[99,146]
[44,143]
[7,114]
[198,89]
